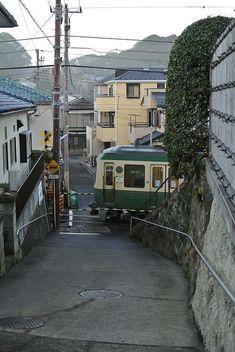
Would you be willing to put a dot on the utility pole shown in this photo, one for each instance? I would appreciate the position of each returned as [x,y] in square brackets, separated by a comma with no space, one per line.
[39,60]
[66,100]
[56,112]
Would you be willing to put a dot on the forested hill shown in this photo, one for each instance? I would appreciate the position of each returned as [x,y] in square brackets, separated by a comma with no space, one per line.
[151,52]
[13,54]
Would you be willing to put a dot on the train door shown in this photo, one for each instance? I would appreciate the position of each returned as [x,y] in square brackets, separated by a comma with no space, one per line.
[108,182]
[158,176]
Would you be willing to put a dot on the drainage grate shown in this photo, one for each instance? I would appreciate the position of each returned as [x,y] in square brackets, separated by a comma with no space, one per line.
[101,294]
[20,323]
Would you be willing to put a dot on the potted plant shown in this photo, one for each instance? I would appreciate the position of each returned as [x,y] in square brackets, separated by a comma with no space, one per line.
[4,187]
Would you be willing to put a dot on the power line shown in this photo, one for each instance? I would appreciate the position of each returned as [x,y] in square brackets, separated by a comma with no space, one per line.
[144,69]
[88,48]
[118,58]
[120,50]
[22,13]
[22,51]
[90,37]
[127,39]
[44,24]
[36,22]
[158,7]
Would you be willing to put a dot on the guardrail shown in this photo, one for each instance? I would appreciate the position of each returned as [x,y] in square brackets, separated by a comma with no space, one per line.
[209,267]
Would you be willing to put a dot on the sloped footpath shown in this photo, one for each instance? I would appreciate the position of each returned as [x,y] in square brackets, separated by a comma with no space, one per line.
[103,291]
[92,288]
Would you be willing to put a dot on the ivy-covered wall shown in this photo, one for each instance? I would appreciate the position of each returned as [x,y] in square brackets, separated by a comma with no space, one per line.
[188,91]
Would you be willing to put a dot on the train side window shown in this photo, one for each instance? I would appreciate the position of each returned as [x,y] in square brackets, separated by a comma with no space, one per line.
[134,176]
[157,176]
[174,182]
[108,175]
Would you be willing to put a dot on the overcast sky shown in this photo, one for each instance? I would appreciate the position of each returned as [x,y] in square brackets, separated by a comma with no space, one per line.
[125,19]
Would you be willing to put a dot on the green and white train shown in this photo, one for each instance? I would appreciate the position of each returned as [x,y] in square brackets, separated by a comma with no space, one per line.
[132,179]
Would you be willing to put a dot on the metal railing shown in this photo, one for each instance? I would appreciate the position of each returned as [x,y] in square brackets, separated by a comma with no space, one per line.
[29,223]
[188,237]
[143,124]
[25,191]
[105,124]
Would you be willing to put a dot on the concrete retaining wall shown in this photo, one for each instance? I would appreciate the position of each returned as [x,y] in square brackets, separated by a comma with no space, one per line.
[36,207]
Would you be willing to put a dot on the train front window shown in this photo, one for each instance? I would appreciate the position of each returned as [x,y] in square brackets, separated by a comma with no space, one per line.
[109,175]
[157,176]
[134,176]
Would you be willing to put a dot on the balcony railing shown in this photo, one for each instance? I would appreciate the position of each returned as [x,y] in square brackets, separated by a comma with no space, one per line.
[142,124]
[105,124]
[102,95]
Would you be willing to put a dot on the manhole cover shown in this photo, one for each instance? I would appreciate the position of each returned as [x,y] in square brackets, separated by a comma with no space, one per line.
[19,323]
[101,294]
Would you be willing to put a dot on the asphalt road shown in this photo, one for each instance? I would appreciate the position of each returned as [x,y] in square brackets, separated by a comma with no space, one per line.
[89,287]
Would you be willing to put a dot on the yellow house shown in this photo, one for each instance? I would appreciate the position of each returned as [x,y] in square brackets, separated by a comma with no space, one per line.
[129,105]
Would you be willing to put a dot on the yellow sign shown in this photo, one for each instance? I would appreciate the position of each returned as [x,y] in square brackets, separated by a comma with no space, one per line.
[53,166]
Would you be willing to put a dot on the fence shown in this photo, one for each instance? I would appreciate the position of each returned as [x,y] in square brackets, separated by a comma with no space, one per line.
[222,111]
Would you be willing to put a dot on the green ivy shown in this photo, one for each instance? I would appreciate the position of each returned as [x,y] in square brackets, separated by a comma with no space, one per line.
[188,91]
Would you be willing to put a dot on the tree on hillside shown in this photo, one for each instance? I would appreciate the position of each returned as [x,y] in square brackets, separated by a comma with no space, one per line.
[13,54]
[187,94]
[152,52]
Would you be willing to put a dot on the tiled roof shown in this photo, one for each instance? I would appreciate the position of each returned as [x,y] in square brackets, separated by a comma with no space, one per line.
[142,76]
[107,78]
[81,104]
[160,98]
[18,90]
[9,103]
[6,19]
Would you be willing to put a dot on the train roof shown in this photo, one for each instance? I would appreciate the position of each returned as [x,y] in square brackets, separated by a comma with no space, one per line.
[131,152]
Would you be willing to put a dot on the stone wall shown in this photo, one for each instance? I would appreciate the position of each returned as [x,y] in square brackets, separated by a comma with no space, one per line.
[194,211]
[213,310]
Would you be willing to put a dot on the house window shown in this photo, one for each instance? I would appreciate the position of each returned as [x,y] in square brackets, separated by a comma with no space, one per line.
[13,150]
[110,88]
[158,119]
[134,176]
[150,121]
[161,85]
[111,118]
[5,133]
[5,157]
[157,176]
[133,90]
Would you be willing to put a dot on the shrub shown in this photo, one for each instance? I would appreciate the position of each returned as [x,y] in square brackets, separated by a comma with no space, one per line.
[188,91]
